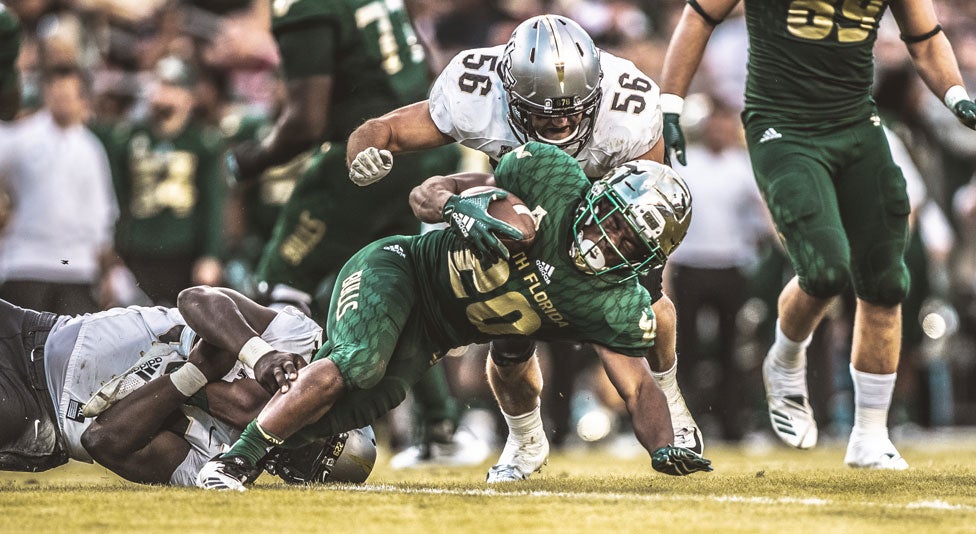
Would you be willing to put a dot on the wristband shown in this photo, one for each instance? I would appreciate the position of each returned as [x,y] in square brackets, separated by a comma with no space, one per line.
[671,103]
[955,95]
[252,351]
[188,379]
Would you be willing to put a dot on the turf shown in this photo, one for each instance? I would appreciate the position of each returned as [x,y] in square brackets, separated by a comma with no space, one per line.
[771,489]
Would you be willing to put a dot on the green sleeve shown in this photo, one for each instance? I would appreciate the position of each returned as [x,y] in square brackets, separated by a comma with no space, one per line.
[212,194]
[308,50]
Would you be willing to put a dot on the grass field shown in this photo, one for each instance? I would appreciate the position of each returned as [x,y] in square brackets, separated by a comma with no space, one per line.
[768,490]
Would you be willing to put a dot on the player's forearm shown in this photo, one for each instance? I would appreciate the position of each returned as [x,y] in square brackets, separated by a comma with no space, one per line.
[293,134]
[685,52]
[649,415]
[375,133]
[214,316]
[936,64]
[427,199]
[407,129]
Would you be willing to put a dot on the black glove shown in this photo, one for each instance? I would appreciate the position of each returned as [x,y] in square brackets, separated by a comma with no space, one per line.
[468,216]
[674,139]
[965,111]
[678,461]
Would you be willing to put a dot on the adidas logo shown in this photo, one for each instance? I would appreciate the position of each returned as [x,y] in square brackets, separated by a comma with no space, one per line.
[769,135]
[148,369]
[545,270]
[396,249]
[463,223]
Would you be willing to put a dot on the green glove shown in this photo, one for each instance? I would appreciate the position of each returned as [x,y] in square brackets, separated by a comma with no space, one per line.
[678,461]
[965,111]
[468,216]
[674,139]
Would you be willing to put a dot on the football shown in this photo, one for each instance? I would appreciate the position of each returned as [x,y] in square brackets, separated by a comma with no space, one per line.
[513,211]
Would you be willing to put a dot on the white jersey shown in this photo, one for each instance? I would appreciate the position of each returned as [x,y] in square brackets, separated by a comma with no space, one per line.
[109,343]
[467,102]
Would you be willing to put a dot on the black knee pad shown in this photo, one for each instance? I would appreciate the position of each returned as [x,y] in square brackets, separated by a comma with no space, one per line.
[511,350]
[825,281]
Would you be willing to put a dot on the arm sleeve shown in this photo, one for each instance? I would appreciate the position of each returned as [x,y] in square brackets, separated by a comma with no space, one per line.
[212,193]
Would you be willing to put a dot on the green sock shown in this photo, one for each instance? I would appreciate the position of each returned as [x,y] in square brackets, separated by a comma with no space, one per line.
[253,444]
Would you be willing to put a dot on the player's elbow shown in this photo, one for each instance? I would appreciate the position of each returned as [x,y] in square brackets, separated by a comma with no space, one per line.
[192,297]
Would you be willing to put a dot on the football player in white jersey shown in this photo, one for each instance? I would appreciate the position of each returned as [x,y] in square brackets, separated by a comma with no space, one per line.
[103,387]
[549,83]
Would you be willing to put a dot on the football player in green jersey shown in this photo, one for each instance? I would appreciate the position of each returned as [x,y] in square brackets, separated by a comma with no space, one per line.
[9,76]
[825,169]
[344,62]
[402,302]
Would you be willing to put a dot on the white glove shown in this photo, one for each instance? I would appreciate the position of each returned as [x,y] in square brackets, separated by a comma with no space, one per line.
[370,166]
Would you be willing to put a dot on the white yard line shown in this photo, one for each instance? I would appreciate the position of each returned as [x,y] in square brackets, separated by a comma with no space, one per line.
[636,497]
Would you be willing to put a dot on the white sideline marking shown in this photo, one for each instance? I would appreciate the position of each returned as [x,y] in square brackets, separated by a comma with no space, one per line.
[803,501]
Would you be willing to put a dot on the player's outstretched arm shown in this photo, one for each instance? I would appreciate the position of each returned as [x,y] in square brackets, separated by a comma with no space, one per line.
[681,61]
[649,415]
[369,152]
[933,56]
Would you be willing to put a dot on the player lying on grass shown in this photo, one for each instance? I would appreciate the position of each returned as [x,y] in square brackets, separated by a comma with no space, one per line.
[402,302]
[58,373]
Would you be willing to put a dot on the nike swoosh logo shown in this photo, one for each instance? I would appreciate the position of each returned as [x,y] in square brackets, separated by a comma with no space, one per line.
[37,426]
[210,437]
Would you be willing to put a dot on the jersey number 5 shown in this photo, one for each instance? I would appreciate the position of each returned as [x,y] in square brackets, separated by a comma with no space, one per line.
[504,315]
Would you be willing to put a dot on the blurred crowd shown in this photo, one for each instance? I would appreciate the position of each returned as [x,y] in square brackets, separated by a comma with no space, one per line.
[165,86]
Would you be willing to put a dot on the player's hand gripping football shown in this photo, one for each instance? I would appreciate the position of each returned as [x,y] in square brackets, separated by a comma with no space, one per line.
[468,216]
[276,370]
[678,461]
[965,111]
[370,166]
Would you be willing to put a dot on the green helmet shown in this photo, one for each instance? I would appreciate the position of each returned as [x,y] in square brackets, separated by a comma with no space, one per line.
[651,200]
[551,67]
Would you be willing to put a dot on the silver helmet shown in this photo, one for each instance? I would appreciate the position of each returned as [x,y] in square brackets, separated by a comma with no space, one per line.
[551,68]
[655,204]
[345,457]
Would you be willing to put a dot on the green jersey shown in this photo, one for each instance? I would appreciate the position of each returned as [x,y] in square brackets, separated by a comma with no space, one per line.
[812,60]
[368,47]
[539,293]
[169,190]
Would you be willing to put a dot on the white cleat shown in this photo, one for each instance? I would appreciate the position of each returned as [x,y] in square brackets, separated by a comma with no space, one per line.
[789,408]
[520,459]
[686,431]
[873,453]
[154,363]
[464,450]
[226,474]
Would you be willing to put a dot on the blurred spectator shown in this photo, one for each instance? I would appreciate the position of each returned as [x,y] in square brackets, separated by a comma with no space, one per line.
[170,234]
[10,35]
[709,271]
[57,177]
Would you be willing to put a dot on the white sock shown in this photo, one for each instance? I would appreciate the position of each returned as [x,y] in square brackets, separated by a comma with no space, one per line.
[872,397]
[668,380]
[526,424]
[789,354]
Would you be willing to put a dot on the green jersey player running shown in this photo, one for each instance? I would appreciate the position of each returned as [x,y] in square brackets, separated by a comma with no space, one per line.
[402,302]
[825,169]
